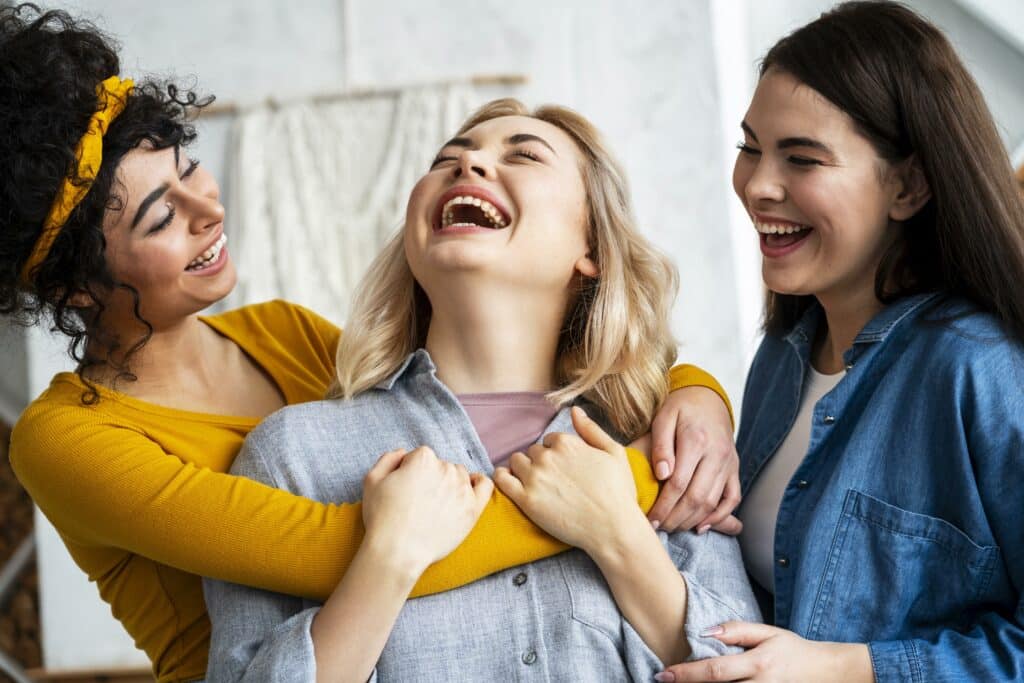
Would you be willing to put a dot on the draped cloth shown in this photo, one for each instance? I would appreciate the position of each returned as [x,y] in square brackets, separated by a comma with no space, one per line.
[316,188]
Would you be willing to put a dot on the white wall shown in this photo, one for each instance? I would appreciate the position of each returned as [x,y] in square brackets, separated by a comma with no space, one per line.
[667,81]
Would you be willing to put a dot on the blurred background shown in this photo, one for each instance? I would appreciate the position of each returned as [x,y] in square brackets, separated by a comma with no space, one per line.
[327,111]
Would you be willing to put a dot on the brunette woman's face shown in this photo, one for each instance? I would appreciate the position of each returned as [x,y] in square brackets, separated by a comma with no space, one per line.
[821,199]
[167,240]
[504,201]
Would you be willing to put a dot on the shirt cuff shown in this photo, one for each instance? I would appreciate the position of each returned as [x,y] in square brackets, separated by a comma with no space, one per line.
[683,376]
[895,661]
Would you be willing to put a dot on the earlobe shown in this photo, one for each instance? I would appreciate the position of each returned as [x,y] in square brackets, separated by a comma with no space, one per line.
[586,267]
[914,191]
[81,299]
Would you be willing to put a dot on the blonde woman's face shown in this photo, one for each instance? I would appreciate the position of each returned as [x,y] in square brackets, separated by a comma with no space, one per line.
[505,202]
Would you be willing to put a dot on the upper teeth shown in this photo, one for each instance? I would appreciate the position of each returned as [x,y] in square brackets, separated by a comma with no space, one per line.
[210,255]
[489,210]
[773,229]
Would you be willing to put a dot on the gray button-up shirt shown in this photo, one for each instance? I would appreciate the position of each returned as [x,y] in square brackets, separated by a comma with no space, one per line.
[554,619]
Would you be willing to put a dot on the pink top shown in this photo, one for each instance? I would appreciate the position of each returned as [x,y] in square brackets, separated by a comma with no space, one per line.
[508,422]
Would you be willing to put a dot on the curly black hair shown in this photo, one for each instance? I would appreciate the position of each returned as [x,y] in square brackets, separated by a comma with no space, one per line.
[50,66]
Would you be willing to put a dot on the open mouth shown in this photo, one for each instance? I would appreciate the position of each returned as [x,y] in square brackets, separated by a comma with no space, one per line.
[210,256]
[780,236]
[468,208]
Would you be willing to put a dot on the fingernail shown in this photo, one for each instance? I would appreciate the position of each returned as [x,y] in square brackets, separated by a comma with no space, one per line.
[703,530]
[655,523]
[713,631]
[661,470]
[665,677]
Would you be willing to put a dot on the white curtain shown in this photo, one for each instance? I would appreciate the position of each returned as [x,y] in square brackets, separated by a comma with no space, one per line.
[317,188]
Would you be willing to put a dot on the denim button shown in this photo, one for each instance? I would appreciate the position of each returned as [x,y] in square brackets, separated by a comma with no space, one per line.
[529,657]
[520,579]
[849,366]
[802,484]
[829,419]
[783,562]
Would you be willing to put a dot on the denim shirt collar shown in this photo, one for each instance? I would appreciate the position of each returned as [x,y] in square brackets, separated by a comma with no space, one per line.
[416,363]
[876,330]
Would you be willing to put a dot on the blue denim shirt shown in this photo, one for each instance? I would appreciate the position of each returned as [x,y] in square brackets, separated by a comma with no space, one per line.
[553,619]
[903,527]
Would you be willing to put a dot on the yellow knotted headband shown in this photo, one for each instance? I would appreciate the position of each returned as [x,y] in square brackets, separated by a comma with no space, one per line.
[112,94]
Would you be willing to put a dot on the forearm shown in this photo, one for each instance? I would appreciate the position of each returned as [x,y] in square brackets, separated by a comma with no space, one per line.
[352,627]
[647,587]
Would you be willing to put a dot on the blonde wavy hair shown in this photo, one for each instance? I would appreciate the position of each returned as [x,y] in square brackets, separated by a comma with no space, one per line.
[615,347]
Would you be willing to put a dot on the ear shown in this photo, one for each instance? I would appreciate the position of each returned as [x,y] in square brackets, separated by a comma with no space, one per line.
[586,267]
[81,299]
[914,191]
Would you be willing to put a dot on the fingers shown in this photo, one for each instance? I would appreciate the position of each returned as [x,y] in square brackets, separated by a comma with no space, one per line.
[385,465]
[744,633]
[483,487]
[592,433]
[730,500]
[519,464]
[730,525]
[725,668]
[663,439]
[687,459]
[701,497]
[509,484]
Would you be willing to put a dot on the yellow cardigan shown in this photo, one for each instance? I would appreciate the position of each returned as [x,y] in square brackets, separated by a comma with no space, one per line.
[140,497]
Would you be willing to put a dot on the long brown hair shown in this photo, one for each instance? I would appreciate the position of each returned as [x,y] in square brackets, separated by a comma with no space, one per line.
[897,76]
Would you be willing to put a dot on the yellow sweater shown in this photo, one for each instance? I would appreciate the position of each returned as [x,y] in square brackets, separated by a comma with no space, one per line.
[140,497]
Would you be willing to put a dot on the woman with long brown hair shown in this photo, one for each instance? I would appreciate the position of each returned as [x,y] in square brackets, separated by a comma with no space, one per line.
[882,434]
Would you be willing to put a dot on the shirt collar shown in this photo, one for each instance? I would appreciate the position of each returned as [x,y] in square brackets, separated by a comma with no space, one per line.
[416,363]
[877,329]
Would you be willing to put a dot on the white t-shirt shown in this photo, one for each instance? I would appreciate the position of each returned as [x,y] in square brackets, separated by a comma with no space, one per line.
[761,504]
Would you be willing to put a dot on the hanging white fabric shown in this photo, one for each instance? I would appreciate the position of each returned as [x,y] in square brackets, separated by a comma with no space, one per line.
[317,188]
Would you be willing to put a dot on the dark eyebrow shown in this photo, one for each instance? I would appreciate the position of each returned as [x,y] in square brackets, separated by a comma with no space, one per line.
[145,203]
[458,142]
[520,138]
[748,130]
[804,142]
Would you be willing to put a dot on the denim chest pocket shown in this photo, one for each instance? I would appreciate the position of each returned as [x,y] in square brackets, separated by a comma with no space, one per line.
[892,573]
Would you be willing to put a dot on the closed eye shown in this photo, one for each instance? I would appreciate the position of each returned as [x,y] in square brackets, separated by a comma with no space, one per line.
[804,161]
[440,159]
[526,154]
[192,166]
[744,148]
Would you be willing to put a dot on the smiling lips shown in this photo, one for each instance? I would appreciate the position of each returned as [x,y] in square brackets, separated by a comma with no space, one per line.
[209,256]
[779,238]
[469,208]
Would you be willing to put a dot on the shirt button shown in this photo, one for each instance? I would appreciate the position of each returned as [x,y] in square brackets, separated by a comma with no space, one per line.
[783,562]
[529,657]
[802,484]
[829,419]
[519,579]
[849,366]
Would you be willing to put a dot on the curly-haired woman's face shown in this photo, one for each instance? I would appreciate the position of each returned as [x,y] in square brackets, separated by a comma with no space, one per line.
[503,204]
[167,239]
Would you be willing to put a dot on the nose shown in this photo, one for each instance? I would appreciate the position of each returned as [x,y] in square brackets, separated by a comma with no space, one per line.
[203,198]
[763,183]
[472,163]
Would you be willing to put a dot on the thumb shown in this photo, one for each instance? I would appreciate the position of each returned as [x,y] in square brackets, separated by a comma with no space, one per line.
[483,487]
[743,633]
[592,433]
[385,465]
[663,444]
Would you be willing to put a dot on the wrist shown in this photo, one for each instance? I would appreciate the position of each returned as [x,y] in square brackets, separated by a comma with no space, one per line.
[624,538]
[855,661]
[394,561]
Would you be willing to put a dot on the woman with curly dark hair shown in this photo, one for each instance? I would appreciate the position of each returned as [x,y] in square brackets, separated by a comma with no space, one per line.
[111,232]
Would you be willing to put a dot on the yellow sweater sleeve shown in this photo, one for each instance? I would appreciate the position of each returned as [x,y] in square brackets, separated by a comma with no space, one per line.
[111,486]
[683,376]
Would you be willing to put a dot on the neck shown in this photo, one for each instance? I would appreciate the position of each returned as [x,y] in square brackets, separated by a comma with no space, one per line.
[485,340]
[184,354]
[845,315]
